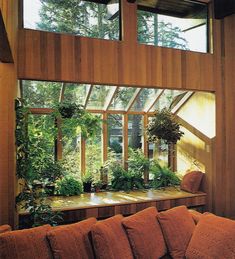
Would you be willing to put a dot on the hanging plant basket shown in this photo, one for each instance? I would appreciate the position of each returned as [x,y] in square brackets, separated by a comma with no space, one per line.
[164,127]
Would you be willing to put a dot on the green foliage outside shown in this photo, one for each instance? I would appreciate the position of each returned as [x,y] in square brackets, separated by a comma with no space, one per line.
[69,186]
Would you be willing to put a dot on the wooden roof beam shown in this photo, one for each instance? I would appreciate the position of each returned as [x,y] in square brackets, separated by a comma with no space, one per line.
[155,99]
[181,102]
[110,97]
[88,96]
[132,100]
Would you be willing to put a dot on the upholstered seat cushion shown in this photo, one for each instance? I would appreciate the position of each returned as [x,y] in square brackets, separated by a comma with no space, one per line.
[25,244]
[5,228]
[72,241]
[110,240]
[177,226]
[145,234]
[213,238]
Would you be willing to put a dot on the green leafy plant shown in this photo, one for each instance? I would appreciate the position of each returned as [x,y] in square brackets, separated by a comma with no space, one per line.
[87,180]
[164,126]
[76,116]
[137,161]
[51,172]
[31,198]
[162,176]
[126,180]
[69,186]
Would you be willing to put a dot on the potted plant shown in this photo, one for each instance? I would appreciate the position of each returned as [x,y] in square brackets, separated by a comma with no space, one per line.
[97,185]
[69,186]
[87,180]
[164,126]
[50,173]
[68,109]
[163,176]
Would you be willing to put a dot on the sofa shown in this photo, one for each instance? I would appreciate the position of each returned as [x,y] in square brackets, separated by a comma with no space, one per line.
[148,234]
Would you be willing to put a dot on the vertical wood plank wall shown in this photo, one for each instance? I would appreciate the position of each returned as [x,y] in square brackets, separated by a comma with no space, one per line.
[121,63]
[8,85]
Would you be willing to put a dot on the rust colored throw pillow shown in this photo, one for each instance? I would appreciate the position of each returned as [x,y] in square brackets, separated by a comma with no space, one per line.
[195,215]
[110,240]
[72,241]
[213,238]
[191,181]
[5,228]
[25,244]
[145,234]
[177,226]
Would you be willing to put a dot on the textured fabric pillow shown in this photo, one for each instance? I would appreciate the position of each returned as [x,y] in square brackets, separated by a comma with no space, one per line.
[145,234]
[191,181]
[72,241]
[195,215]
[110,240]
[177,226]
[213,238]
[25,244]
[5,228]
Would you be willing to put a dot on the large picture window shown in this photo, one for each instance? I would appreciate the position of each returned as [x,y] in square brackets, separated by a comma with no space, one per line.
[181,26]
[77,17]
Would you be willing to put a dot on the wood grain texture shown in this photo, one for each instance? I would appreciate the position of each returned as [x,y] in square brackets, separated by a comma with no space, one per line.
[61,57]
[106,204]
[8,86]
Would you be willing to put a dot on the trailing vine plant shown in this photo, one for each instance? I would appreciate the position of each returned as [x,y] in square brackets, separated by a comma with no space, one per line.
[31,197]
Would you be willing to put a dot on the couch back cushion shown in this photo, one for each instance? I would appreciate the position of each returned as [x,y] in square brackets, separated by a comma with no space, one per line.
[145,234]
[25,244]
[191,181]
[213,237]
[72,241]
[177,226]
[5,228]
[110,240]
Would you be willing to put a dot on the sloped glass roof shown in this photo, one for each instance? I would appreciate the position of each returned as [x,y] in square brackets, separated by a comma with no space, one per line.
[100,98]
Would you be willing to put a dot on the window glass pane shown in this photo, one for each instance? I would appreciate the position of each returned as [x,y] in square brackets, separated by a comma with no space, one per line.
[143,99]
[98,97]
[41,94]
[135,130]
[115,138]
[180,32]
[167,99]
[83,18]
[76,93]
[122,98]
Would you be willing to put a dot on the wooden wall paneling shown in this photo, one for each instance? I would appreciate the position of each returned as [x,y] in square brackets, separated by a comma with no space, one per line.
[8,92]
[229,68]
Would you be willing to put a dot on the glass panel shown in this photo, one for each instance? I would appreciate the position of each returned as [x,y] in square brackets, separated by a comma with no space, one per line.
[76,93]
[98,96]
[135,131]
[115,132]
[84,18]
[41,94]
[167,99]
[94,155]
[174,32]
[71,143]
[144,98]
[122,98]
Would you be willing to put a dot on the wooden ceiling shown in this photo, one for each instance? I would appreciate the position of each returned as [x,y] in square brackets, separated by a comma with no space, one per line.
[182,9]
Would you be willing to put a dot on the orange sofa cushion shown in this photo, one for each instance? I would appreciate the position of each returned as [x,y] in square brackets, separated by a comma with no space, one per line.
[5,228]
[72,241]
[145,234]
[191,181]
[213,237]
[110,240]
[25,244]
[195,215]
[177,226]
